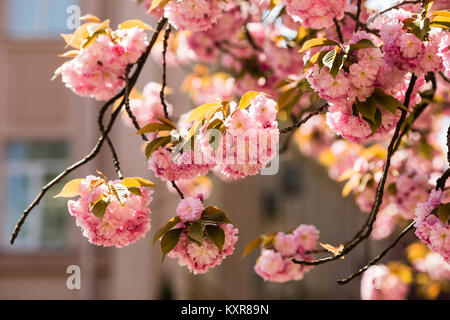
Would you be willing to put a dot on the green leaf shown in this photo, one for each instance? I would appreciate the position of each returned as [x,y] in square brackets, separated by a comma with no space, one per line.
[196,231]
[155,144]
[392,189]
[214,214]
[337,64]
[420,28]
[135,190]
[318,42]
[367,108]
[216,235]
[169,241]
[362,44]
[443,212]
[387,101]
[154,127]
[252,245]
[100,207]
[169,225]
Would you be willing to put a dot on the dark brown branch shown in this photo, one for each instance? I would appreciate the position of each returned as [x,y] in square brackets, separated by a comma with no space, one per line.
[164,72]
[366,230]
[363,26]
[358,13]
[338,30]
[440,183]
[95,151]
[178,189]
[444,77]
[250,39]
[379,257]
[297,125]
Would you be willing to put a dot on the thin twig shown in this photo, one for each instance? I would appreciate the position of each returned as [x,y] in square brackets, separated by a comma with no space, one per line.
[164,72]
[338,30]
[379,257]
[366,230]
[305,119]
[95,151]
[250,39]
[358,12]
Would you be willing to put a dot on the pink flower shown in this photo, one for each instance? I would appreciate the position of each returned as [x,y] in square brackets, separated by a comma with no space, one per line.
[121,224]
[285,244]
[378,283]
[306,236]
[98,70]
[316,14]
[193,15]
[430,229]
[200,258]
[190,209]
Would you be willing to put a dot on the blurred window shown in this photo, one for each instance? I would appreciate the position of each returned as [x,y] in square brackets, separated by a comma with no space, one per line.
[37,18]
[28,166]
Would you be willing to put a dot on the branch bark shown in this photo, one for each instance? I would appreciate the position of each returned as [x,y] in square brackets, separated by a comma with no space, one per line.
[94,152]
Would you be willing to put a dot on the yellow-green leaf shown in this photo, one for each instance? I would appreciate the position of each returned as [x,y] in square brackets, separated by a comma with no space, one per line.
[216,235]
[155,144]
[169,225]
[199,113]
[90,17]
[154,127]
[100,207]
[318,42]
[129,24]
[196,232]
[252,245]
[247,99]
[137,182]
[70,189]
[169,241]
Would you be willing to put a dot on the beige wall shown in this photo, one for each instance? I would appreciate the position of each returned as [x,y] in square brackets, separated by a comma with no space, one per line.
[31,107]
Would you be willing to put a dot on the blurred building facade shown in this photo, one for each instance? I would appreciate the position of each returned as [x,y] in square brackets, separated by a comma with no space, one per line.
[44,127]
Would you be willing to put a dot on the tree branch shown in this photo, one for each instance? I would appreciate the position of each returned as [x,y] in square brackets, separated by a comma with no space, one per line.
[377,258]
[338,30]
[94,152]
[297,125]
[164,72]
[358,12]
[366,230]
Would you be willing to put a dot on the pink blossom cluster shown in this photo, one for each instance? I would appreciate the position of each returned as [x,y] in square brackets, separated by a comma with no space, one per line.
[121,225]
[200,258]
[433,264]
[378,283]
[405,50]
[147,108]
[171,167]
[259,129]
[316,14]
[430,229]
[276,265]
[356,84]
[193,15]
[98,70]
